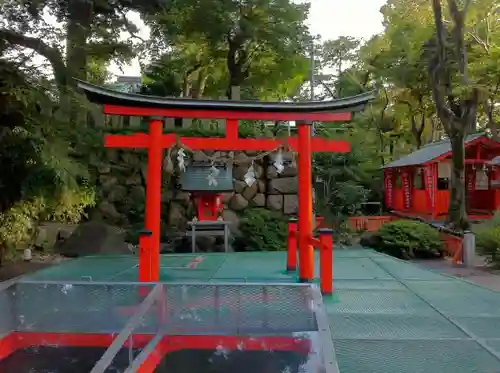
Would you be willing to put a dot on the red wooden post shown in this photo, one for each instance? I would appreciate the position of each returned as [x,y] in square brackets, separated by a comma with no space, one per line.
[150,253]
[326,261]
[435,190]
[406,181]
[291,257]
[430,181]
[388,190]
[496,176]
[306,251]
[144,258]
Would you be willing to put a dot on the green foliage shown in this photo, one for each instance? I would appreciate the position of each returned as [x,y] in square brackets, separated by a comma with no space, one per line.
[488,239]
[261,230]
[347,180]
[18,223]
[40,178]
[212,44]
[407,239]
[246,129]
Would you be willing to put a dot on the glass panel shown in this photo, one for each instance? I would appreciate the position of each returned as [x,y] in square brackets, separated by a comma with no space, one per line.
[240,327]
[171,328]
[64,327]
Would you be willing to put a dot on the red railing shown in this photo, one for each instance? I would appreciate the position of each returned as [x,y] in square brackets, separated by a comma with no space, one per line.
[169,344]
[369,223]
[325,246]
[452,243]
[454,246]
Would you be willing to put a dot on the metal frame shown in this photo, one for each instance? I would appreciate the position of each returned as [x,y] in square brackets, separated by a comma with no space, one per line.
[152,284]
[222,232]
[324,333]
[106,359]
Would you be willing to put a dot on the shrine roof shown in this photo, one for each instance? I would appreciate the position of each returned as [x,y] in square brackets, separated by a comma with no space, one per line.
[104,96]
[429,152]
[495,161]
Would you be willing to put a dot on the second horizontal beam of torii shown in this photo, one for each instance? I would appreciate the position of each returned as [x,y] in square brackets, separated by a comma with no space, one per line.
[141,141]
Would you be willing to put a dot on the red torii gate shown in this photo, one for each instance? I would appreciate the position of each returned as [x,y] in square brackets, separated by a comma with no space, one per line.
[158,108]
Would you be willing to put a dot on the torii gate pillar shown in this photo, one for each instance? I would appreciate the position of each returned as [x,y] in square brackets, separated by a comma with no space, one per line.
[151,243]
[305,218]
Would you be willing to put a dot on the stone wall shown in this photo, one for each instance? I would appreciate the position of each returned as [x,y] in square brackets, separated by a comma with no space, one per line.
[122,192]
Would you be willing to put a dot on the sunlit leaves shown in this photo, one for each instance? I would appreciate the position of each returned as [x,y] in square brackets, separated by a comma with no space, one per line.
[256,44]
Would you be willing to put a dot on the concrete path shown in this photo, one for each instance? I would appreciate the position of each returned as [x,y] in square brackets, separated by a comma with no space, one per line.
[479,274]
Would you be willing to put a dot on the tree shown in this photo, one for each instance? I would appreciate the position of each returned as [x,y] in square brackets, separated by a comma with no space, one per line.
[455,96]
[340,52]
[79,32]
[262,42]
[399,62]
[482,29]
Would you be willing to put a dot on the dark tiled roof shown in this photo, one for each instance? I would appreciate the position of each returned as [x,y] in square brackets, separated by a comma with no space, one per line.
[104,96]
[195,179]
[428,152]
[495,161]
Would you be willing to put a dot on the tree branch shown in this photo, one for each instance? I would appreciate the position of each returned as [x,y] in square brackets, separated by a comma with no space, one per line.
[458,31]
[52,54]
[130,27]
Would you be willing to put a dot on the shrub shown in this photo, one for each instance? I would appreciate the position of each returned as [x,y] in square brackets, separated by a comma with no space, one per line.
[261,230]
[488,243]
[18,223]
[407,239]
[488,239]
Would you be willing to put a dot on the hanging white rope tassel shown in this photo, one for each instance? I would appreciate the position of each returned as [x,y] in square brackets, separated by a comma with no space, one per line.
[212,176]
[181,155]
[294,161]
[168,165]
[250,176]
[278,162]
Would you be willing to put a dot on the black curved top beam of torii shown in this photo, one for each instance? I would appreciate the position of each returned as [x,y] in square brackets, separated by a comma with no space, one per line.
[113,99]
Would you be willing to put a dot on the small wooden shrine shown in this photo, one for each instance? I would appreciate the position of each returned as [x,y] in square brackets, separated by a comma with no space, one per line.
[206,182]
[419,183]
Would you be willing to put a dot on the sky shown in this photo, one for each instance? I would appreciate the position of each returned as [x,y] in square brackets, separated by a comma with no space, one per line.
[328,18]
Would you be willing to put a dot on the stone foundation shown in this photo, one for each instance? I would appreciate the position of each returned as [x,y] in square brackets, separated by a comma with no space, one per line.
[121,186]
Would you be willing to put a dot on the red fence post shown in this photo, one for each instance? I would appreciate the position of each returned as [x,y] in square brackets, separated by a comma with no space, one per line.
[291,254]
[326,261]
[145,236]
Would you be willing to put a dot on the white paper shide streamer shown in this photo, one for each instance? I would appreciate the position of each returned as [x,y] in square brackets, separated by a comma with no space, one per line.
[181,155]
[212,176]
[278,162]
[250,176]
[294,161]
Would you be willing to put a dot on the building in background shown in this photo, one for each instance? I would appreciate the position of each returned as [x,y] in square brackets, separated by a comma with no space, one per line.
[129,84]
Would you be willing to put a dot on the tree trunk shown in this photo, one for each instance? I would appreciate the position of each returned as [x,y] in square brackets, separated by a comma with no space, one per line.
[457,214]
[491,124]
[77,33]
[418,130]
[201,82]
[237,57]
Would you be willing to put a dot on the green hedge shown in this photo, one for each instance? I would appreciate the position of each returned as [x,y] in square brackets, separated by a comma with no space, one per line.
[488,239]
[261,230]
[408,239]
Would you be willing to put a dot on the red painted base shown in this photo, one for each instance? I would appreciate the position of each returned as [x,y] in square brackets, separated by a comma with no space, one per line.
[20,340]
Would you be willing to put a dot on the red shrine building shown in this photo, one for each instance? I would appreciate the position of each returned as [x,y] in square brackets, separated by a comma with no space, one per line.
[419,183]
